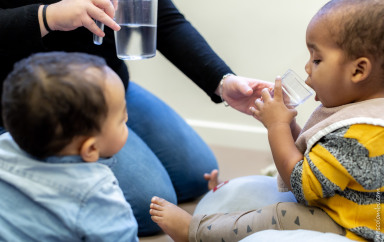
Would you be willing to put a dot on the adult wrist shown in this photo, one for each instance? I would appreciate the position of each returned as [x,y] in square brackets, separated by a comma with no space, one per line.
[45,22]
[221,88]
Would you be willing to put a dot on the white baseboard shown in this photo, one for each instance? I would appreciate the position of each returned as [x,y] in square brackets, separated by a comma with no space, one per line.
[231,135]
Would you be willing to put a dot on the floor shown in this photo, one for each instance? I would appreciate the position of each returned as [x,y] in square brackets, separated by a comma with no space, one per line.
[232,163]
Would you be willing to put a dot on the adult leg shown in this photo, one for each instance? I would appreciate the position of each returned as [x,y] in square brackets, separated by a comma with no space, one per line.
[182,152]
[141,176]
[2,130]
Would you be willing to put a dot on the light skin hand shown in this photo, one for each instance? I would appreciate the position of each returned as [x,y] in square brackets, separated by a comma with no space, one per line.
[241,92]
[67,15]
[279,120]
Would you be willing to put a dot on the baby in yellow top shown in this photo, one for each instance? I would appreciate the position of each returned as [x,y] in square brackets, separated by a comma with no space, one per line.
[335,164]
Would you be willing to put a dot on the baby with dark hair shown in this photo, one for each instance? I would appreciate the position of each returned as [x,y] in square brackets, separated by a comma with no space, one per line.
[66,116]
[50,99]
[334,165]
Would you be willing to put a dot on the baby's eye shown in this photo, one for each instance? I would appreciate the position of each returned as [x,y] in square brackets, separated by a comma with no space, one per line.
[316,62]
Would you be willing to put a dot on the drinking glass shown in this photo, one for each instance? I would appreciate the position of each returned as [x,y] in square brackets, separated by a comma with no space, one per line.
[295,91]
[138,21]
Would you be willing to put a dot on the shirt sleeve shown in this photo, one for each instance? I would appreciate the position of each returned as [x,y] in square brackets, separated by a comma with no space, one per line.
[345,159]
[182,44]
[20,30]
[106,215]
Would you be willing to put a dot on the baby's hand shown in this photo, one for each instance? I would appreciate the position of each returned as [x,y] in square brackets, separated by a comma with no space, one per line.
[212,178]
[271,111]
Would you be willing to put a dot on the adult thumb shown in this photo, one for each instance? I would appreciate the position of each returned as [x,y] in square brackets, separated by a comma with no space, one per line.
[245,89]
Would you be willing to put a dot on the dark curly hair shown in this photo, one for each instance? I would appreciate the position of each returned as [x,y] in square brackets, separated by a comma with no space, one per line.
[50,98]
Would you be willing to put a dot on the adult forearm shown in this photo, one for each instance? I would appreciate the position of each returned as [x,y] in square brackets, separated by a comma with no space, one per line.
[195,58]
[21,28]
[43,30]
[183,45]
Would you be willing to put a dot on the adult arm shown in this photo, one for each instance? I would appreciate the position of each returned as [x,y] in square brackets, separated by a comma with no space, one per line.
[182,44]
[21,27]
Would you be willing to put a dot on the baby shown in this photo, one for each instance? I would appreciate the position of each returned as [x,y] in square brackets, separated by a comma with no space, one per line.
[66,115]
[334,165]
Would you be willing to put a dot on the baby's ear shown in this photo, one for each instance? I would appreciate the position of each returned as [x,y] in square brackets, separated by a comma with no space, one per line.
[89,150]
[362,68]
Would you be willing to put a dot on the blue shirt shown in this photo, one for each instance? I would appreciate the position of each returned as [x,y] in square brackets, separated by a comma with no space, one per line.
[60,199]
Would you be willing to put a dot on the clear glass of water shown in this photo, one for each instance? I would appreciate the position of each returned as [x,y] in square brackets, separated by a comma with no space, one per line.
[295,91]
[136,39]
[138,21]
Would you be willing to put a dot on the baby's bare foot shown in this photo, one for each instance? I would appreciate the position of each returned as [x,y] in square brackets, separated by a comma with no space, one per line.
[173,220]
[212,178]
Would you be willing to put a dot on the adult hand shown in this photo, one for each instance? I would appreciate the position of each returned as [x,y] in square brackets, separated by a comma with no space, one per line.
[68,15]
[241,92]
[273,111]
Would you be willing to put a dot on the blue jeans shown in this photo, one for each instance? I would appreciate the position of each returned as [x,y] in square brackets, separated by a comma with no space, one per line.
[163,157]
[2,130]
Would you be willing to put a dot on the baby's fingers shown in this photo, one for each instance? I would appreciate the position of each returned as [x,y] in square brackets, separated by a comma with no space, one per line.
[278,91]
[254,111]
[265,95]
[259,103]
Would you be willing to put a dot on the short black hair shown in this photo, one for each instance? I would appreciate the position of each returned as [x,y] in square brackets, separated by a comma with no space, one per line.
[357,27]
[50,98]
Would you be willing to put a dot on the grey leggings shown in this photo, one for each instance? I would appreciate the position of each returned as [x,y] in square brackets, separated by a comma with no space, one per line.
[280,216]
